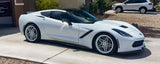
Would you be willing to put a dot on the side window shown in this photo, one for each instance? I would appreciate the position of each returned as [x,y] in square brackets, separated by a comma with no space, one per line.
[47,14]
[131,1]
[66,16]
[142,1]
[70,17]
[60,15]
[56,15]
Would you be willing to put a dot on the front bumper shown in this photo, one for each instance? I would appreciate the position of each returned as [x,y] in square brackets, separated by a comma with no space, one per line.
[114,7]
[126,45]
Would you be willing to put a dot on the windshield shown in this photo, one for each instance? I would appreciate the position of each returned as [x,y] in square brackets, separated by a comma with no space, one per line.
[83,15]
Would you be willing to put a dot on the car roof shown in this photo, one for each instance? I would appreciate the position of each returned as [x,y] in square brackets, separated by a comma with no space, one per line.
[54,10]
[62,10]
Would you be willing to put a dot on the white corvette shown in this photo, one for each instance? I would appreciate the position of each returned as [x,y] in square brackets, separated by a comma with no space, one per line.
[80,27]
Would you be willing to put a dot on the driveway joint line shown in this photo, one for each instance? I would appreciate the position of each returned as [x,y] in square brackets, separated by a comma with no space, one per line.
[55,55]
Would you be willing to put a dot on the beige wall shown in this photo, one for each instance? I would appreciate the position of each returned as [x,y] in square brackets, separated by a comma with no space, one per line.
[71,3]
[80,3]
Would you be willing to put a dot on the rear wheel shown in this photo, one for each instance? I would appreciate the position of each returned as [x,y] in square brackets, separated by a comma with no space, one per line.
[143,10]
[32,33]
[105,44]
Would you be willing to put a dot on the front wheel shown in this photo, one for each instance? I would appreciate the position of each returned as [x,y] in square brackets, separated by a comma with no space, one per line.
[119,10]
[32,33]
[105,44]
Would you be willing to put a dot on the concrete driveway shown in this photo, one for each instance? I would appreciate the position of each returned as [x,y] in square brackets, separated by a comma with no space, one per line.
[51,52]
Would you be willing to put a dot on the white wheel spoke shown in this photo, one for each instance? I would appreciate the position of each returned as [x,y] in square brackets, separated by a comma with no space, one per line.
[104,44]
[101,40]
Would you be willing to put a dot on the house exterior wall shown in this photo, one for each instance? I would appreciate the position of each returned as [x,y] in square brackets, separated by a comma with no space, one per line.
[29,5]
[80,3]
[17,10]
[67,3]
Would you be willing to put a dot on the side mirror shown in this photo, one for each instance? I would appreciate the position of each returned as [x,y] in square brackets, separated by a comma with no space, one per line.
[65,20]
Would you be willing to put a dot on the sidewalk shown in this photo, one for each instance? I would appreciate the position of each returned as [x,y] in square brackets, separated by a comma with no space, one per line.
[50,52]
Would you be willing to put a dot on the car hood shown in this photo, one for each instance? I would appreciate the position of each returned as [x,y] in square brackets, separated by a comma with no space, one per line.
[108,25]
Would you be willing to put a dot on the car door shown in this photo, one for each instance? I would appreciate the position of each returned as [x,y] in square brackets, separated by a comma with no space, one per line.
[139,3]
[61,30]
[130,5]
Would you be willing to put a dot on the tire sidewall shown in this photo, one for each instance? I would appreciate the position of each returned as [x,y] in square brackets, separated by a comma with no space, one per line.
[115,45]
[38,31]
[121,10]
[143,12]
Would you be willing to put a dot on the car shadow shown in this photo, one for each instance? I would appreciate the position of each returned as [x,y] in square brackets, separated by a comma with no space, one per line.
[134,55]
[77,48]
[6,29]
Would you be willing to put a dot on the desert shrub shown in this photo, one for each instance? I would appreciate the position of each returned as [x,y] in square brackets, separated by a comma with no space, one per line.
[157,7]
[109,4]
[101,6]
[47,4]
[93,7]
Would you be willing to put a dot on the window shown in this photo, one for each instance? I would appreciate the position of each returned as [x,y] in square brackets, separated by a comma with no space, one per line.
[80,18]
[140,1]
[71,18]
[83,15]
[47,14]
[136,1]
[56,15]
[61,15]
[131,1]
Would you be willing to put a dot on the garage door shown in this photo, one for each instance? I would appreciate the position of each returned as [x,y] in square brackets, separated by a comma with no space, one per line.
[5,12]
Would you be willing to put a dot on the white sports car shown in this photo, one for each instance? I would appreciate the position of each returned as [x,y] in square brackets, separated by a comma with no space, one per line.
[80,27]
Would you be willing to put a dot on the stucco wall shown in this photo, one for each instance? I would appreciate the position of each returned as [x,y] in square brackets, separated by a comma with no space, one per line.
[71,3]
[80,3]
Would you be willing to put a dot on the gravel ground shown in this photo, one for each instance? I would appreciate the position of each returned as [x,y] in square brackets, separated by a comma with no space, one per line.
[6,30]
[149,24]
[7,60]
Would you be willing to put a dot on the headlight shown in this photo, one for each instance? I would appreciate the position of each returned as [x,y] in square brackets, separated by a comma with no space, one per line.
[122,33]
[113,5]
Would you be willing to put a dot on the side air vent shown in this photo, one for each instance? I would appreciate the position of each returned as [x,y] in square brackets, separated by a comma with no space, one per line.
[123,26]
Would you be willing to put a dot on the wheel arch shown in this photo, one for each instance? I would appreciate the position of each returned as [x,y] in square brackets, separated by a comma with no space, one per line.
[93,39]
[118,7]
[143,7]
[29,24]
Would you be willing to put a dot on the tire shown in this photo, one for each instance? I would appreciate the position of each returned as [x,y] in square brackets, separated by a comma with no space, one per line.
[119,10]
[143,10]
[32,33]
[103,47]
